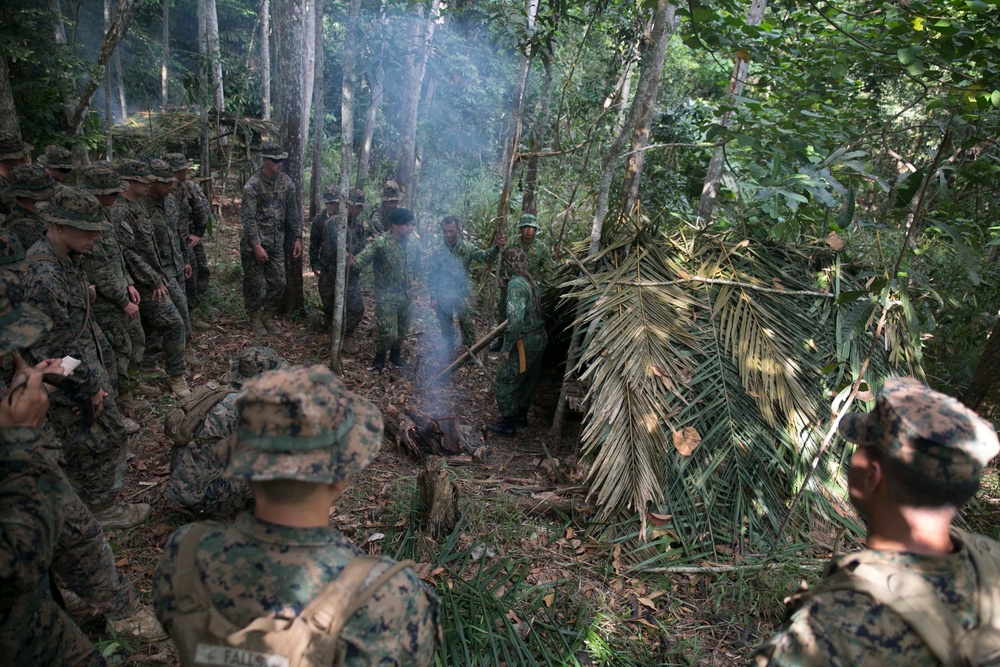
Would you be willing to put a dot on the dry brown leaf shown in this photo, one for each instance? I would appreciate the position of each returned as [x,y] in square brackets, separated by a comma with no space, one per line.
[658,519]
[834,241]
[686,440]
[646,602]
[549,599]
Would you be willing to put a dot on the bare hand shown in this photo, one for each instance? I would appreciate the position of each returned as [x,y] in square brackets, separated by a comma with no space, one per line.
[297,249]
[27,401]
[260,254]
[132,310]
[193,240]
[187,270]
[133,295]
[161,294]
[98,401]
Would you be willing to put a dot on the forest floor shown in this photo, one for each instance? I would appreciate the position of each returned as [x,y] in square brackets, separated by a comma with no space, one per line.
[516,571]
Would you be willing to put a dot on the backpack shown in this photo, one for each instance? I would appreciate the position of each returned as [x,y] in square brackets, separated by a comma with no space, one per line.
[919,606]
[181,423]
[312,639]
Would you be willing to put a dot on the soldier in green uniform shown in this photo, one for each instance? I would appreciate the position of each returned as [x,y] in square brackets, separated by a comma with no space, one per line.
[58,163]
[269,214]
[392,194]
[538,262]
[323,259]
[448,281]
[196,473]
[142,257]
[396,264]
[28,186]
[300,437]
[523,346]
[171,239]
[195,213]
[914,593]
[13,153]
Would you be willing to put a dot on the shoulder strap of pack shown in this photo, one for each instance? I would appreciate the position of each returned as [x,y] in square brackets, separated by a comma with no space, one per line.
[190,594]
[985,554]
[343,597]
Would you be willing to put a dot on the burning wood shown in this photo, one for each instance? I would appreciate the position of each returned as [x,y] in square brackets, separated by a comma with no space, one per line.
[422,435]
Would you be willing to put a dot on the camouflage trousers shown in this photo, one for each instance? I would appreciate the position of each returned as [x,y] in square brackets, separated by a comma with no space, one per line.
[34,630]
[515,391]
[197,284]
[392,321]
[94,462]
[127,340]
[165,332]
[196,482]
[175,286]
[447,311]
[258,277]
[354,308]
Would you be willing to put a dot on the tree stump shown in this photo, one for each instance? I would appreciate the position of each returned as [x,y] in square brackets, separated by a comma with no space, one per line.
[437,499]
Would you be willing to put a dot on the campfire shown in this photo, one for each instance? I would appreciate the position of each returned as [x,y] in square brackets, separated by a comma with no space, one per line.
[422,435]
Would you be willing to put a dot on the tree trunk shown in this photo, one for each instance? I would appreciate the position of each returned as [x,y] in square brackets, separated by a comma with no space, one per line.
[309,71]
[983,394]
[710,189]
[538,132]
[289,49]
[215,66]
[319,111]
[348,86]
[265,59]
[645,100]
[121,83]
[109,120]
[376,85]
[8,113]
[164,65]
[67,89]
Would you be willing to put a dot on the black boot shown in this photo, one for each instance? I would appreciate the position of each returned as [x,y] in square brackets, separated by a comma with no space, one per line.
[396,358]
[521,418]
[378,363]
[505,427]
[497,344]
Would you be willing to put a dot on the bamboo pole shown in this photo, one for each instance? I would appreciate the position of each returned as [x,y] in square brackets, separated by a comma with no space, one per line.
[470,352]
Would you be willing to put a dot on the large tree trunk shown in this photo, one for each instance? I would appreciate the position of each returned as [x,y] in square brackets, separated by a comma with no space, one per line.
[376,85]
[265,59]
[215,66]
[983,394]
[538,132]
[8,113]
[309,71]
[319,110]
[289,46]
[348,86]
[710,189]
[165,63]
[645,100]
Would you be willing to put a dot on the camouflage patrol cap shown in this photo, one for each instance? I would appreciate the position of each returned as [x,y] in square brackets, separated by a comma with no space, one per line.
[355,196]
[134,170]
[302,424]
[528,220]
[57,157]
[75,208]
[11,251]
[391,191]
[12,148]
[32,182]
[101,178]
[932,435]
[253,361]
[177,161]
[160,172]
[270,150]
[332,195]
[401,216]
[21,324]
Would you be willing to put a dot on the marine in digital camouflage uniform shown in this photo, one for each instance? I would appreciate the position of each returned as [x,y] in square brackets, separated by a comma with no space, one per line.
[514,388]
[309,436]
[28,186]
[58,163]
[538,260]
[269,214]
[171,234]
[142,257]
[395,260]
[448,281]
[918,460]
[34,629]
[323,255]
[392,195]
[13,153]
[196,472]
[195,213]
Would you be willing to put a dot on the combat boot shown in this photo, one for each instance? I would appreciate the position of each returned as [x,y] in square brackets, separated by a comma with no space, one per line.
[122,516]
[497,344]
[179,386]
[504,427]
[520,418]
[378,363]
[130,402]
[271,326]
[396,357]
[349,345]
[257,325]
[131,426]
[140,624]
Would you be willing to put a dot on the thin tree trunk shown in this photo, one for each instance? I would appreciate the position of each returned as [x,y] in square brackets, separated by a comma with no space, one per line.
[67,89]
[377,87]
[109,121]
[164,65]
[319,111]
[8,113]
[215,66]
[265,59]
[710,189]
[309,71]
[121,83]
[645,99]
[348,87]
[538,132]
[983,394]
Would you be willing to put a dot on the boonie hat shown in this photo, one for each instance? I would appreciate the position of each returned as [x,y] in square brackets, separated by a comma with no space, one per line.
[31,181]
[21,324]
[528,220]
[401,216]
[355,196]
[57,157]
[160,172]
[101,178]
[74,208]
[177,161]
[134,170]
[11,251]
[391,191]
[253,361]
[271,151]
[332,194]
[932,435]
[12,148]
[301,423]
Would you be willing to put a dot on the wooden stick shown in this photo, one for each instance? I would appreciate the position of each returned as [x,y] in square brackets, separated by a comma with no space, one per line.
[483,342]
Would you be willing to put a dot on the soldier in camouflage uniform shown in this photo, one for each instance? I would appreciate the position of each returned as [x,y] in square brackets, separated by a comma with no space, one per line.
[538,262]
[300,437]
[13,153]
[396,264]
[515,383]
[28,186]
[918,460]
[142,257]
[269,214]
[171,234]
[54,282]
[58,163]
[391,196]
[196,473]
[448,281]
[323,259]
[195,214]
[117,305]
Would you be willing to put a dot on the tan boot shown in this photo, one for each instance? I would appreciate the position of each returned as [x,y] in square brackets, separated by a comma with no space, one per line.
[130,402]
[140,624]
[131,426]
[257,325]
[349,345]
[179,386]
[122,516]
[271,325]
